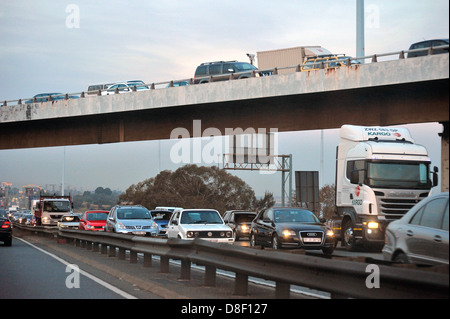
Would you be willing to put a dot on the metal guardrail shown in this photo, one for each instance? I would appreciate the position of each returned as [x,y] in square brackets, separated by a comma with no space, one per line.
[232,76]
[339,277]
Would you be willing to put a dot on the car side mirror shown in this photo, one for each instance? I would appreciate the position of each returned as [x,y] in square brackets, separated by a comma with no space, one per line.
[174,222]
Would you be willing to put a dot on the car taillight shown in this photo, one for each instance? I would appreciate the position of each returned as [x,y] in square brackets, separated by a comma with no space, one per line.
[6,225]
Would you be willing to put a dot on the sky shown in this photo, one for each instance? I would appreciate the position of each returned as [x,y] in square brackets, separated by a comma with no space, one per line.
[64,46]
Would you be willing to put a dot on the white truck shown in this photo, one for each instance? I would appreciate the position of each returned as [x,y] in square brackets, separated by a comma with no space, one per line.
[380,174]
[48,210]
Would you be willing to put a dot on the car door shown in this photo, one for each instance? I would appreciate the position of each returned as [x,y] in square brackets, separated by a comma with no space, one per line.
[82,224]
[265,226]
[110,220]
[172,226]
[427,242]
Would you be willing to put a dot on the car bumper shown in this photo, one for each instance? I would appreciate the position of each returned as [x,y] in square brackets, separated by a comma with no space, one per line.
[151,233]
[215,240]
[387,253]
[5,235]
[243,233]
[295,242]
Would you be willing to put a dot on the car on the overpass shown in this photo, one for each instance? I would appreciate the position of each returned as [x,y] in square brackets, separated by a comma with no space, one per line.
[294,227]
[94,220]
[45,97]
[5,228]
[205,224]
[125,87]
[421,236]
[428,44]
[221,71]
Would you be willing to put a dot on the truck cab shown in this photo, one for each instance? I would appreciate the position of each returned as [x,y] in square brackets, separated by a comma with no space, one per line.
[49,209]
[380,174]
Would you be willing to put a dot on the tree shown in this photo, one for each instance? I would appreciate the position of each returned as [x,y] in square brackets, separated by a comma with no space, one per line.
[327,195]
[193,186]
[266,201]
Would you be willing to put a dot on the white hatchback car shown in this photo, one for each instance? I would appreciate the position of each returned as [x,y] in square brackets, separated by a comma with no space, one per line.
[205,224]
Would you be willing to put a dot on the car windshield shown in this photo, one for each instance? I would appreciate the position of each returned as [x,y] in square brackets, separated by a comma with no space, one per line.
[133,213]
[96,216]
[294,216]
[244,218]
[161,215]
[3,213]
[57,206]
[201,217]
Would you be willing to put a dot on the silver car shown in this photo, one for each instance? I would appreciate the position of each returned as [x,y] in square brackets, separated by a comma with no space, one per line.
[421,235]
[135,220]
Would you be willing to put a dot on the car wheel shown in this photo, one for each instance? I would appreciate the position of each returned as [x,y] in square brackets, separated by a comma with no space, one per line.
[328,251]
[275,242]
[348,239]
[401,258]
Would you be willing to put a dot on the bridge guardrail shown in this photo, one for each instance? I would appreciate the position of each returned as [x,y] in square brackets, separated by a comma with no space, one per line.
[233,76]
[339,277]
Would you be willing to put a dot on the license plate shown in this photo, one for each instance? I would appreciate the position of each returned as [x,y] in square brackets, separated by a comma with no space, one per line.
[139,232]
[312,240]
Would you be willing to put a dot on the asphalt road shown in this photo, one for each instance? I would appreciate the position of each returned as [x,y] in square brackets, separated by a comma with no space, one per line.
[28,272]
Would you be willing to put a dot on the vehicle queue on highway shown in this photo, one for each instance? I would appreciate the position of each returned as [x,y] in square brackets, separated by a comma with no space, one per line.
[421,236]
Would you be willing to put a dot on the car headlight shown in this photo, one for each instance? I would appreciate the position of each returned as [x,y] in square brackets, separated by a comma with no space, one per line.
[244,227]
[192,234]
[154,225]
[120,226]
[371,225]
[288,233]
[89,226]
[330,233]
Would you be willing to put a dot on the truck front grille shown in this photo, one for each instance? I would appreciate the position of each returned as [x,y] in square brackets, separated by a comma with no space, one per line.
[395,208]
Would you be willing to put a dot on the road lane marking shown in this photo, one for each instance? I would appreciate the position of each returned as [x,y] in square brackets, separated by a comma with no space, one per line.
[92,277]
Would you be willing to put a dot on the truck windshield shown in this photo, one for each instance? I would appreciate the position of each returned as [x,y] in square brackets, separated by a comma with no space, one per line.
[56,206]
[413,175]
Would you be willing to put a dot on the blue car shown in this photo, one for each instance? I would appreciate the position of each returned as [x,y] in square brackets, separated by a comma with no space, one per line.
[161,217]
[44,97]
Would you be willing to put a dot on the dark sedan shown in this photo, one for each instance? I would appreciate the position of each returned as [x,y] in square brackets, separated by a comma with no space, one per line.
[5,228]
[291,227]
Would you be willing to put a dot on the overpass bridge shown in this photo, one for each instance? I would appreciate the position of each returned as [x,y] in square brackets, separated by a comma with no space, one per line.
[393,92]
